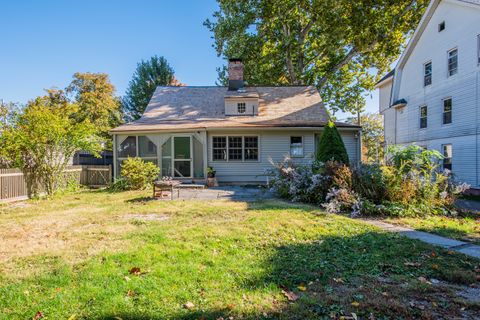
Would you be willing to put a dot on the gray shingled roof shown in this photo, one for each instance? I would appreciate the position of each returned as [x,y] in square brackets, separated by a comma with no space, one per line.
[204,107]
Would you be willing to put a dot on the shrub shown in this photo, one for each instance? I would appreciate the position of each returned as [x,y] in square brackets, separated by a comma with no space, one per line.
[410,185]
[139,174]
[331,146]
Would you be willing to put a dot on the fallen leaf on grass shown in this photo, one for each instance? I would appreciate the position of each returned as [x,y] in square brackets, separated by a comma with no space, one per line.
[290,295]
[38,315]
[127,278]
[130,293]
[302,287]
[338,280]
[355,304]
[72,317]
[134,271]
[412,264]
[189,305]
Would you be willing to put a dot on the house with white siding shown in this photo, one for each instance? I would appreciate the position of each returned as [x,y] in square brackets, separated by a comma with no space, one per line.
[432,98]
[237,130]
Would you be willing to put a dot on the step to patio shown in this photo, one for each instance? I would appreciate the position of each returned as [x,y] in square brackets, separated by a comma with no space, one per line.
[190,186]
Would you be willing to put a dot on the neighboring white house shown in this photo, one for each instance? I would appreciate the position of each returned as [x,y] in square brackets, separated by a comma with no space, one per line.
[237,130]
[432,98]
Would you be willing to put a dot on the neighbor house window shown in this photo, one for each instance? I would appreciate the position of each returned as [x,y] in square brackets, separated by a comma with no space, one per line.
[441,26]
[296,146]
[219,148]
[241,107]
[427,74]
[447,111]
[452,62]
[478,49]
[447,156]
[251,148]
[423,116]
[235,148]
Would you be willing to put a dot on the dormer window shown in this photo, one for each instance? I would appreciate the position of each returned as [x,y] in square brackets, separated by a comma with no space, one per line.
[241,107]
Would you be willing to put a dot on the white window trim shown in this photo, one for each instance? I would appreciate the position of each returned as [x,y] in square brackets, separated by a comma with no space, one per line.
[448,64]
[424,75]
[303,147]
[420,117]
[243,148]
[443,111]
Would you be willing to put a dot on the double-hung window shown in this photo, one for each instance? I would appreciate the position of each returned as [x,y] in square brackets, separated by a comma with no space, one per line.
[423,116]
[296,146]
[447,111]
[427,74]
[452,62]
[447,156]
[235,148]
[250,148]
[219,148]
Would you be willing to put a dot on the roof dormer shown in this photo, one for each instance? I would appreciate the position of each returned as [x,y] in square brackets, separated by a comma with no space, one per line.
[239,101]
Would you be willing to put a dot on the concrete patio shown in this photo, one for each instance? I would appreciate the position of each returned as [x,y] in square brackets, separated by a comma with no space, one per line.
[236,193]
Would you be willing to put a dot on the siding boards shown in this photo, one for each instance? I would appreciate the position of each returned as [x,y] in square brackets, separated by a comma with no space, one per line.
[275,146]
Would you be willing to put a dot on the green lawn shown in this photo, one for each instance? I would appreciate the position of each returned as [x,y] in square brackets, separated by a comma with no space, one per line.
[99,255]
[461,228]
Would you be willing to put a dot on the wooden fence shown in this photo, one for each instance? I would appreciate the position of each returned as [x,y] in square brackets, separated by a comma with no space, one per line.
[13,186]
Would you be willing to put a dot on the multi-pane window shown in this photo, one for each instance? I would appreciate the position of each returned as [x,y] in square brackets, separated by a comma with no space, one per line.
[251,148]
[427,74]
[296,146]
[447,156]
[235,148]
[219,148]
[241,107]
[452,62]
[447,111]
[423,116]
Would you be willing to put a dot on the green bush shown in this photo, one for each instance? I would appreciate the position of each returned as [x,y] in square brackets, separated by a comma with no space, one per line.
[331,146]
[138,174]
[411,184]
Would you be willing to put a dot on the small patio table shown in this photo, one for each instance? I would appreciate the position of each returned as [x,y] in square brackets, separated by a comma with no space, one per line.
[160,186]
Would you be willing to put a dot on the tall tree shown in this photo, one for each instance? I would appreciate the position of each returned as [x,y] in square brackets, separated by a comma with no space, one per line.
[43,137]
[149,74]
[94,95]
[333,44]
[372,136]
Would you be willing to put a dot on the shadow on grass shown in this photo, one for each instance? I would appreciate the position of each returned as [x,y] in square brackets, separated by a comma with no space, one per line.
[368,273]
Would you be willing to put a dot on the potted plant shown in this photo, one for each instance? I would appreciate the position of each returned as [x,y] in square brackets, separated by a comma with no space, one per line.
[211,172]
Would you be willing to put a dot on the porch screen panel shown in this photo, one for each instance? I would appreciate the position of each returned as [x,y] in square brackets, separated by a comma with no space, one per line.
[166,170]
[146,148]
[197,159]
[128,147]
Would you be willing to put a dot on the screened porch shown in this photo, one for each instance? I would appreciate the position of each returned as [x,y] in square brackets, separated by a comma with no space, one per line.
[178,155]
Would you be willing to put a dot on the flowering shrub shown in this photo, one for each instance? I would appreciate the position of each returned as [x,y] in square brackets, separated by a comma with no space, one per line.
[409,185]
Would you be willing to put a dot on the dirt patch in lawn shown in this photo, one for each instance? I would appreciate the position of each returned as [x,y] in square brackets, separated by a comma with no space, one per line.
[74,234]
[146,217]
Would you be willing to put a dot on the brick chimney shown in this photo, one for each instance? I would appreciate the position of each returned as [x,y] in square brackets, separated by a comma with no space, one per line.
[235,74]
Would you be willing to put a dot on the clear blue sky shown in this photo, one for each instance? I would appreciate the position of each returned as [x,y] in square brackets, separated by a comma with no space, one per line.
[43,43]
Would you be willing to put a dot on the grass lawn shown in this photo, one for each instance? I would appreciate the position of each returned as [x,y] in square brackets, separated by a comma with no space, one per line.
[461,228]
[99,255]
